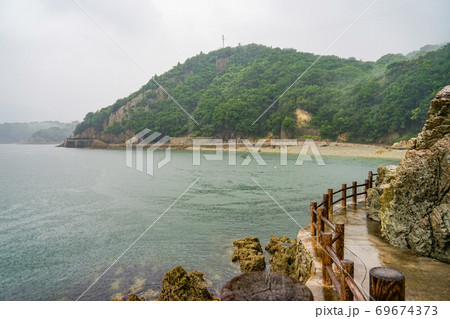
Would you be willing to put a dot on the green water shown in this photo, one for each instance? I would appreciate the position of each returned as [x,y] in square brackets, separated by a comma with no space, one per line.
[67,214]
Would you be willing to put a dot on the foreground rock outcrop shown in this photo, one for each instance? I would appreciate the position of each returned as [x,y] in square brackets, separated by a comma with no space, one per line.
[384,177]
[178,285]
[289,257]
[414,200]
[249,254]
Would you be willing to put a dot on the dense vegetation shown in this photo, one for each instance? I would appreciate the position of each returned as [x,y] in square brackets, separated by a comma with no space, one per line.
[52,135]
[227,90]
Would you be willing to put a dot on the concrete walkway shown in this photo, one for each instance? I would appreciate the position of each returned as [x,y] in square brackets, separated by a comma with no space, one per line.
[426,278]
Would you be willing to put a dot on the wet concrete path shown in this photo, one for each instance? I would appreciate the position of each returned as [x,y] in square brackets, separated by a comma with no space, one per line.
[426,278]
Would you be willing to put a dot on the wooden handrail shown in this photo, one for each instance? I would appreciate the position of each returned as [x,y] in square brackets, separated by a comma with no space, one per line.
[328,223]
[334,279]
[333,243]
[335,237]
[338,191]
[333,256]
[355,290]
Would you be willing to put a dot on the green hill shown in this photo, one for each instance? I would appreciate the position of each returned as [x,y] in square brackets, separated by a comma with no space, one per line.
[23,132]
[52,135]
[227,90]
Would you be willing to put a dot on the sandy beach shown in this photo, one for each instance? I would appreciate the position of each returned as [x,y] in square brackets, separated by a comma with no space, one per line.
[333,149]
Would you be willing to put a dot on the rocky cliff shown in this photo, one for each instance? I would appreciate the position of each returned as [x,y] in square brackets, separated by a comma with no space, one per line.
[414,199]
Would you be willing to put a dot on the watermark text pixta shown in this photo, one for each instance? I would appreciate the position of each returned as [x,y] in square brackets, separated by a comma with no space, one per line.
[143,145]
[254,149]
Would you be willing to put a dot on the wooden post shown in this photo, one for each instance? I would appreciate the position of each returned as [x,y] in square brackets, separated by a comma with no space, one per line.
[370,179]
[326,259]
[339,243]
[330,204]
[366,187]
[354,192]
[313,218]
[344,195]
[320,225]
[325,205]
[386,284]
[347,271]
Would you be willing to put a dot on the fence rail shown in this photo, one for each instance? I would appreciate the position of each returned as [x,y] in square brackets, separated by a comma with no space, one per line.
[331,237]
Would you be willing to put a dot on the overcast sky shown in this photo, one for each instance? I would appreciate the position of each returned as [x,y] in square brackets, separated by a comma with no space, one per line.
[57,64]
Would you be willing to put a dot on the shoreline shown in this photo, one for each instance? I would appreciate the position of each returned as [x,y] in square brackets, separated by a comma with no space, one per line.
[332,149]
[324,148]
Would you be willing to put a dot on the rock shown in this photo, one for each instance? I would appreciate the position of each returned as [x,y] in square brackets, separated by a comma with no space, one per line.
[437,125]
[249,254]
[415,199]
[381,151]
[133,297]
[98,144]
[265,286]
[403,144]
[344,137]
[289,257]
[384,177]
[178,285]
[373,204]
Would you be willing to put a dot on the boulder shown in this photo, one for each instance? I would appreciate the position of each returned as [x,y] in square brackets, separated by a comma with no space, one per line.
[178,285]
[249,254]
[290,257]
[414,200]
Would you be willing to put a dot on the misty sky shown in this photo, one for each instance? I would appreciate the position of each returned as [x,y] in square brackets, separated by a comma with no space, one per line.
[57,64]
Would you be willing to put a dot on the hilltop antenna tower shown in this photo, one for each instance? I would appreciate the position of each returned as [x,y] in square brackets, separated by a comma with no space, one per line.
[223,41]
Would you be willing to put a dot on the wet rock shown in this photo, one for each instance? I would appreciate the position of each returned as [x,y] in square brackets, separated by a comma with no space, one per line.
[249,254]
[178,285]
[373,204]
[289,257]
[133,297]
[384,177]
[415,200]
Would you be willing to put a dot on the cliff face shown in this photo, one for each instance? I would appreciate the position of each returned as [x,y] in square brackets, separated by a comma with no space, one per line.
[414,206]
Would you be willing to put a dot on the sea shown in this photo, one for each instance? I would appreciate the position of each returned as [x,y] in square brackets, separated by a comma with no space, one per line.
[79,224]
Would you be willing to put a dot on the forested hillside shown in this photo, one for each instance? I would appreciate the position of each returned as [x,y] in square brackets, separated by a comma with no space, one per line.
[23,132]
[227,90]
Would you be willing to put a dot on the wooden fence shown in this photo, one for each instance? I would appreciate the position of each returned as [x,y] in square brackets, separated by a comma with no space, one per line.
[331,238]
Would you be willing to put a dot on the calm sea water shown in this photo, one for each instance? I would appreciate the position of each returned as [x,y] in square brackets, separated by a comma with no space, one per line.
[67,214]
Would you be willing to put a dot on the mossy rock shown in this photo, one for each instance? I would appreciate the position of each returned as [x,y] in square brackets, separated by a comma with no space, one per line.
[249,254]
[290,257]
[178,285]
